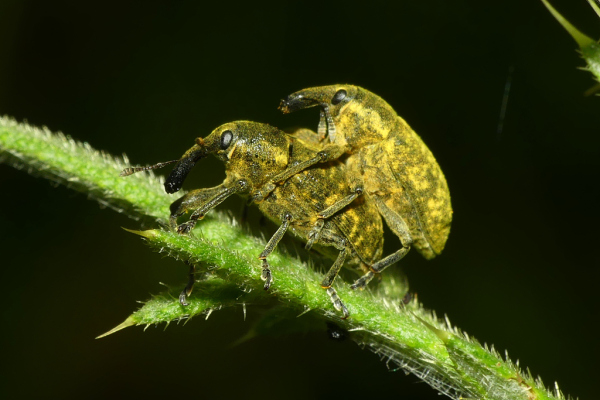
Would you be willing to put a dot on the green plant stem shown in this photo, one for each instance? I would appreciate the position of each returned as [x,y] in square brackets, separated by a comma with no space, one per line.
[409,336]
[589,48]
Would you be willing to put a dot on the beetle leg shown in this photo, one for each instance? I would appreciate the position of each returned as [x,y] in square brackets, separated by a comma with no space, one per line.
[400,228]
[329,153]
[268,187]
[335,268]
[266,272]
[314,233]
[260,195]
[379,266]
[203,200]
[362,282]
[337,302]
[329,211]
[341,244]
[192,201]
[395,222]
[185,293]
[244,211]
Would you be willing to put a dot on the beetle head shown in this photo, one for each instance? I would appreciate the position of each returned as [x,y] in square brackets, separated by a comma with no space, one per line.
[251,151]
[331,98]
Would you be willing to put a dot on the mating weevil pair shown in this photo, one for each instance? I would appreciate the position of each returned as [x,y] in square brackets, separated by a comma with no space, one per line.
[330,188]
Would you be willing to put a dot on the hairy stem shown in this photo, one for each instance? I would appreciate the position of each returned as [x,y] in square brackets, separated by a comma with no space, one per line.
[407,335]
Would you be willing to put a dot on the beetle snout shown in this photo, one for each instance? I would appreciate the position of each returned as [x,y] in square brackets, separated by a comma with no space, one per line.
[183,167]
[296,101]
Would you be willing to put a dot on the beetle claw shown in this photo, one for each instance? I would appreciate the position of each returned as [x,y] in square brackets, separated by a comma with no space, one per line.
[185,228]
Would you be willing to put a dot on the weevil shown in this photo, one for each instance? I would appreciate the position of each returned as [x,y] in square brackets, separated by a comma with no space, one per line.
[386,160]
[254,154]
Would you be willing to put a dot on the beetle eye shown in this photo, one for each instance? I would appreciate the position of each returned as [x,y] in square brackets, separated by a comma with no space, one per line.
[338,97]
[226,138]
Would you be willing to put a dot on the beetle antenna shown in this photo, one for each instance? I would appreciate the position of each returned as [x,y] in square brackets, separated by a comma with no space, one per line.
[133,170]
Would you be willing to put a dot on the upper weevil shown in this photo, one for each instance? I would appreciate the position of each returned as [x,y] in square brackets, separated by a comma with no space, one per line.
[386,160]
[253,154]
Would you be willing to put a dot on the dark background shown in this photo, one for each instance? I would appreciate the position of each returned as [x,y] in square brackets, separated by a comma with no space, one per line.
[145,78]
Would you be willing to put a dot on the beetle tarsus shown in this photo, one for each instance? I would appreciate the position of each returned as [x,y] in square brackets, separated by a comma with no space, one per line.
[186,227]
[362,282]
[187,291]
[266,275]
[337,303]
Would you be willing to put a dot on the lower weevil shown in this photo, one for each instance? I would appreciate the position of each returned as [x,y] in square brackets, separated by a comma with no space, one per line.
[254,154]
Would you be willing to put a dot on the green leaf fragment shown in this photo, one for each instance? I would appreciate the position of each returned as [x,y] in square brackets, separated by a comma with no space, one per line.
[595,6]
[210,294]
[589,48]
[581,39]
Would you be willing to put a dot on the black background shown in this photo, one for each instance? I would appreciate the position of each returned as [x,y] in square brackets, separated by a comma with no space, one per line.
[145,78]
